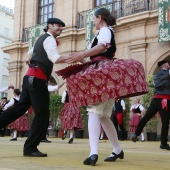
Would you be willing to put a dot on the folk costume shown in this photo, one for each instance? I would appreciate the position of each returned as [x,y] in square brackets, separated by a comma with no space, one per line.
[70,116]
[35,91]
[95,84]
[104,77]
[117,116]
[161,103]
[19,125]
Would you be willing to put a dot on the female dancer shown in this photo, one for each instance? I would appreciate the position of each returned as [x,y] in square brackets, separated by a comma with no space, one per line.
[97,83]
[20,124]
[137,113]
[70,117]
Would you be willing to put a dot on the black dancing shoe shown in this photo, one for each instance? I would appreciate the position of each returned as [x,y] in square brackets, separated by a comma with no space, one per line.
[167,147]
[115,156]
[91,160]
[13,139]
[70,141]
[45,141]
[35,154]
[134,138]
[64,135]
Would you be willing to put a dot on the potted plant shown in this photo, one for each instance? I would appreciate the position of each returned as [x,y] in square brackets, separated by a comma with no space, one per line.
[55,110]
[151,124]
[80,132]
[150,128]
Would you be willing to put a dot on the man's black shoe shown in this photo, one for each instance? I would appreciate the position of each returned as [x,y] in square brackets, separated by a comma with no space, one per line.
[35,154]
[134,138]
[46,141]
[167,147]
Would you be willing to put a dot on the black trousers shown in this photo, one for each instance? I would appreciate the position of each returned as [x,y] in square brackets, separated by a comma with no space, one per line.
[154,107]
[115,122]
[35,93]
[2,131]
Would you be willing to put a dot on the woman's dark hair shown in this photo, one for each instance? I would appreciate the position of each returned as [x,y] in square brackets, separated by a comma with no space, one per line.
[106,16]
[17,92]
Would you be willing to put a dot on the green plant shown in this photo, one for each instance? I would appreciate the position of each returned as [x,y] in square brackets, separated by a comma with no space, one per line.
[55,110]
[151,124]
[84,117]
[126,116]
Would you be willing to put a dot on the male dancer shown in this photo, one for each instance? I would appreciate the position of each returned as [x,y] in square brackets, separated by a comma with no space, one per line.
[2,104]
[160,102]
[34,88]
[117,116]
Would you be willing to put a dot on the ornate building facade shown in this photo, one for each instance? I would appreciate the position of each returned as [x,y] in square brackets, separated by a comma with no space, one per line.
[136,32]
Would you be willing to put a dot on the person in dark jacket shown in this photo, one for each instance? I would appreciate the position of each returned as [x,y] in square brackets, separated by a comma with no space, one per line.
[34,88]
[160,102]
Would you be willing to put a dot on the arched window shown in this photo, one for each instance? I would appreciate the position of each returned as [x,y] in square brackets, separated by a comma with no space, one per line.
[46,10]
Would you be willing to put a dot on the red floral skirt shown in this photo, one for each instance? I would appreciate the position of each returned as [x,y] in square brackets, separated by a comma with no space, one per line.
[134,121]
[104,79]
[71,117]
[21,124]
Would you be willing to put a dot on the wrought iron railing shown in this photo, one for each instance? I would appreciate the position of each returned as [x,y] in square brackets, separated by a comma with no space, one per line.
[119,8]
[122,8]
[30,31]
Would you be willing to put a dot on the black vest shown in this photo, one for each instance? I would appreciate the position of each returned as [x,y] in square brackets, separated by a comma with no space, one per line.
[162,82]
[15,101]
[109,52]
[40,58]
[67,97]
[137,110]
[118,107]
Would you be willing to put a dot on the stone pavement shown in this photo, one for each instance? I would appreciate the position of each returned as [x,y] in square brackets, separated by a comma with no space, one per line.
[64,156]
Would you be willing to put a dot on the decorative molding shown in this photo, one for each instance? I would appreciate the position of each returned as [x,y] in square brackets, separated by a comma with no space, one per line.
[138,46]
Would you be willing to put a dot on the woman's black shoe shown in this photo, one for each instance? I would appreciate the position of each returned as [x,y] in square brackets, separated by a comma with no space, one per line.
[70,141]
[64,135]
[91,160]
[114,157]
[13,139]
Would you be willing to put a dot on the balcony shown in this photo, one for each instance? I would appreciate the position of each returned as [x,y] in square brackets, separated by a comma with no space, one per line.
[122,8]
[29,34]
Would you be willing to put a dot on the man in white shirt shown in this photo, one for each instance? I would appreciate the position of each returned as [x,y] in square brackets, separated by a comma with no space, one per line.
[34,88]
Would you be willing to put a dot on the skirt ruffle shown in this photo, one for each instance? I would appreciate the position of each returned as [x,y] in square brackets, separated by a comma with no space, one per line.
[104,79]
[21,124]
[71,117]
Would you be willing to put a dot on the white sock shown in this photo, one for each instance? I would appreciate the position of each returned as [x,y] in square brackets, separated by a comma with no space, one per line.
[94,132]
[101,135]
[71,133]
[15,134]
[142,136]
[111,133]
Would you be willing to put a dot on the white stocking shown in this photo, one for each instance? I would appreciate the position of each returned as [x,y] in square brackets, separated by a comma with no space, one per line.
[94,132]
[15,134]
[111,134]
[71,133]
[142,136]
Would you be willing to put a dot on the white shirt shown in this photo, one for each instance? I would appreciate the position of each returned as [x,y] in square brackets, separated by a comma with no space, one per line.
[104,36]
[11,102]
[52,88]
[50,46]
[3,89]
[123,104]
[63,99]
